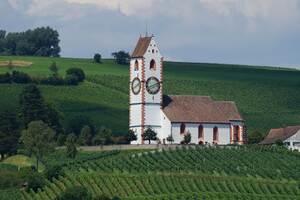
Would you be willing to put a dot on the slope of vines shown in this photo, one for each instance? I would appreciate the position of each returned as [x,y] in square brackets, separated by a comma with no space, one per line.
[186,173]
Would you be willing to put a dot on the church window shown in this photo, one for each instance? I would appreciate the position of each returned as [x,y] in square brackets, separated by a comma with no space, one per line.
[236,133]
[182,128]
[152,50]
[215,135]
[136,66]
[152,65]
[200,132]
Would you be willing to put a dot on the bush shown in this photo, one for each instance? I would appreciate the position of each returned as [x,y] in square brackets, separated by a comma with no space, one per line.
[20,77]
[35,181]
[53,172]
[53,80]
[5,78]
[75,193]
[71,80]
[61,139]
[97,58]
[76,72]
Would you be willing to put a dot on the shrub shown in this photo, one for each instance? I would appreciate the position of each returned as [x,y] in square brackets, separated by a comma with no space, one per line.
[76,72]
[97,58]
[53,80]
[35,181]
[53,171]
[71,145]
[71,80]
[61,139]
[75,193]
[20,77]
[5,78]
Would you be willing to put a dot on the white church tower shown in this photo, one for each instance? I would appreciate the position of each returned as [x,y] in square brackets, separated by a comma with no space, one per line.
[145,96]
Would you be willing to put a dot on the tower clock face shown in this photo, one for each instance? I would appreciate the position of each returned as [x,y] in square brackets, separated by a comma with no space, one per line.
[152,85]
[136,86]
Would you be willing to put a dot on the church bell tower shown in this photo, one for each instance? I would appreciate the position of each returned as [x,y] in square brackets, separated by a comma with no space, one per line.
[145,92]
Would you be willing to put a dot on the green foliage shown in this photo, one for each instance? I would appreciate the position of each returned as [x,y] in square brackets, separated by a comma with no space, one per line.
[131,136]
[32,104]
[255,137]
[71,145]
[104,136]
[149,135]
[279,142]
[75,193]
[35,181]
[85,137]
[61,139]
[121,57]
[10,179]
[42,41]
[187,138]
[38,139]
[97,58]
[54,69]
[76,72]
[10,194]
[53,172]
[9,133]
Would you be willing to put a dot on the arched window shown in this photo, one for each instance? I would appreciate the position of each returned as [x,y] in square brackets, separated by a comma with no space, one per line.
[152,65]
[136,65]
[200,132]
[182,128]
[236,133]
[215,135]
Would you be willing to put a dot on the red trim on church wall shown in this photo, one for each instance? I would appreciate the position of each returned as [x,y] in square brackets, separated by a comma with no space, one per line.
[143,102]
[161,81]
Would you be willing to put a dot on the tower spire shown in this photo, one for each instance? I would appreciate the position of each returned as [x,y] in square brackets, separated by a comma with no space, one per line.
[146,28]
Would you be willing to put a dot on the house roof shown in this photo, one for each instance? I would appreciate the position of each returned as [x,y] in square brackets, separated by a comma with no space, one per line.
[280,134]
[199,109]
[141,47]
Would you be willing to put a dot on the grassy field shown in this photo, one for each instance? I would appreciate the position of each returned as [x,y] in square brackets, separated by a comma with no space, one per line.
[251,172]
[267,97]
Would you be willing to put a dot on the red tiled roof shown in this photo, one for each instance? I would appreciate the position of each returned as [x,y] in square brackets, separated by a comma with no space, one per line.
[197,109]
[280,134]
[141,47]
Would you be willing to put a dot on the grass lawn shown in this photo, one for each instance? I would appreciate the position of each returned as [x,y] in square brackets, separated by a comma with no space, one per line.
[23,161]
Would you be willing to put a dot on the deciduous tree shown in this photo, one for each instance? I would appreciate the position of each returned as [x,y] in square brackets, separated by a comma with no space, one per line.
[149,135]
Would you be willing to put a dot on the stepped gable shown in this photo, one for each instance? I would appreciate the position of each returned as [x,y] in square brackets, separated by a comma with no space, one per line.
[199,109]
[280,134]
[141,47]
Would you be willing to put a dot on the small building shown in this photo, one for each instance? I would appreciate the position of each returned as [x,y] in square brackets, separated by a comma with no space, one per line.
[290,136]
[206,120]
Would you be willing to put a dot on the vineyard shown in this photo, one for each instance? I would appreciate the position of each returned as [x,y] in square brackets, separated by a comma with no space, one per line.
[184,173]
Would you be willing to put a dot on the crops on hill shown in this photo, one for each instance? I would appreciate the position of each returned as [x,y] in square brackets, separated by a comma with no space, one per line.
[185,173]
[266,97]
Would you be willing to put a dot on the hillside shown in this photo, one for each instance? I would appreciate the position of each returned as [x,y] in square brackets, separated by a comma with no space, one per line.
[266,97]
[184,173]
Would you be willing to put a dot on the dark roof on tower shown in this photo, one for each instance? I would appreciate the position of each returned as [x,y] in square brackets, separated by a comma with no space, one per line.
[280,134]
[199,109]
[141,47]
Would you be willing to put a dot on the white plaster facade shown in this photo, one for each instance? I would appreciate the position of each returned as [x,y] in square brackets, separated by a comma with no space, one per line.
[293,142]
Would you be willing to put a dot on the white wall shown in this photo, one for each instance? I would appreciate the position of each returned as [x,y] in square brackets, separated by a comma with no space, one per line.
[223,129]
[294,141]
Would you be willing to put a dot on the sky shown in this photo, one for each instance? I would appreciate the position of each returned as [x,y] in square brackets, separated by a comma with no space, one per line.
[254,32]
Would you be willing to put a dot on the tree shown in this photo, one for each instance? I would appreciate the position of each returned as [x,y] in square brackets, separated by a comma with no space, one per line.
[170,139]
[75,193]
[76,72]
[104,136]
[187,138]
[121,57]
[32,104]
[255,137]
[54,69]
[85,136]
[9,133]
[52,118]
[76,124]
[38,139]
[71,145]
[131,136]
[149,135]
[97,58]
[279,143]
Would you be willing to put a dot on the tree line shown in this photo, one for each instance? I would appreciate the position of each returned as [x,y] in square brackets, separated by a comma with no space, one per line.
[42,41]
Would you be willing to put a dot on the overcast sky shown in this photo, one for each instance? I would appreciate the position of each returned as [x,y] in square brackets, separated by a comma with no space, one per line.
[259,32]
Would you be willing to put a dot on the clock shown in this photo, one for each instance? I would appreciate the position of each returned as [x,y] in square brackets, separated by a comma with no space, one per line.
[136,86]
[153,85]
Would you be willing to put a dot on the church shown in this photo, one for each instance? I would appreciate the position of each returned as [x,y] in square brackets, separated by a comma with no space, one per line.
[206,120]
